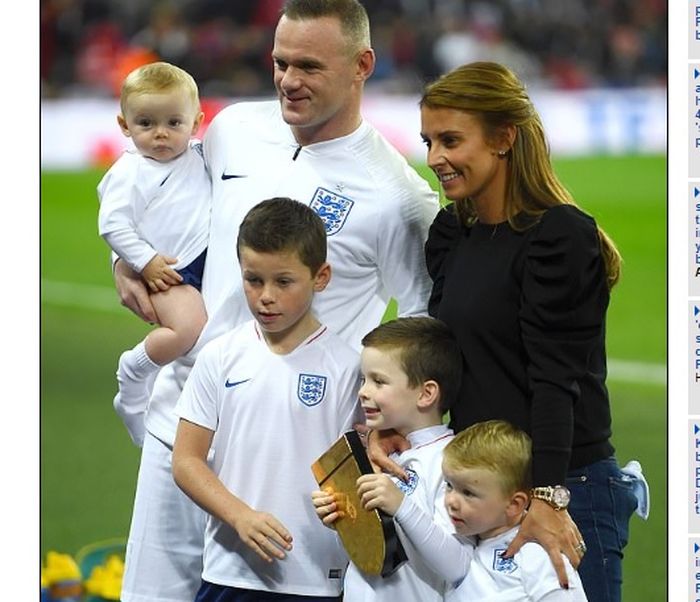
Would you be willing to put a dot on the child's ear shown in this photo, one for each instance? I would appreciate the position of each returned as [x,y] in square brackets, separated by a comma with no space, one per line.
[429,394]
[123,125]
[517,504]
[322,277]
[197,122]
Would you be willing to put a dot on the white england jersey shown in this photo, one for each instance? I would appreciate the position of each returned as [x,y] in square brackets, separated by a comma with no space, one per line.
[425,487]
[375,207]
[148,207]
[273,416]
[528,577]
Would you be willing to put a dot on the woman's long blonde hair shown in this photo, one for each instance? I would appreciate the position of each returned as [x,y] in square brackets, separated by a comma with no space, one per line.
[494,94]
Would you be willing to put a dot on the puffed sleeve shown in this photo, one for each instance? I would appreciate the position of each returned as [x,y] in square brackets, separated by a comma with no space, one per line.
[442,238]
[562,315]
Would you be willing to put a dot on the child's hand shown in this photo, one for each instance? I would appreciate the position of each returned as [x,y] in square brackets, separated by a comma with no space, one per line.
[263,533]
[377,491]
[158,274]
[327,508]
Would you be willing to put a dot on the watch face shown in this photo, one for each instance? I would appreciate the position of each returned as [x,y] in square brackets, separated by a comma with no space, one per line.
[561,496]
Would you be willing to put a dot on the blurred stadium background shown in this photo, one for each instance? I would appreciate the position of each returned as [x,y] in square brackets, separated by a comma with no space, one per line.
[597,72]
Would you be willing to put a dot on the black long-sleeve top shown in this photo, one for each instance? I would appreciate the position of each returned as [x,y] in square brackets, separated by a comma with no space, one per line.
[528,310]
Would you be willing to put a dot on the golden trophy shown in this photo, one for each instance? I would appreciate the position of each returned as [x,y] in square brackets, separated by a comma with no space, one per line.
[369,536]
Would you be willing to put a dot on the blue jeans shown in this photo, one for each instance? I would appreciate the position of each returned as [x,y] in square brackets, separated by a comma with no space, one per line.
[602,502]
[211,592]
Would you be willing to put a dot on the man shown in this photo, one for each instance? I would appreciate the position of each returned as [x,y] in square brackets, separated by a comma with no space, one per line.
[313,146]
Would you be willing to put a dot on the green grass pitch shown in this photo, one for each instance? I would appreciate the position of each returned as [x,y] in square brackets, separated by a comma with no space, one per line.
[88,465]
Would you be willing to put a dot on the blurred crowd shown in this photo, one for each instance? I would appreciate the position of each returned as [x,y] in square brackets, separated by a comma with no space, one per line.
[87,46]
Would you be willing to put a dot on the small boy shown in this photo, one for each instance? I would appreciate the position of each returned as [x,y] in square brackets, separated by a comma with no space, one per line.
[268,398]
[411,370]
[154,214]
[487,472]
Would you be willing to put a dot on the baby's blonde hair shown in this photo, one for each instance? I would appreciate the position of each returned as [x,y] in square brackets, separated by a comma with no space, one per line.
[497,446]
[158,77]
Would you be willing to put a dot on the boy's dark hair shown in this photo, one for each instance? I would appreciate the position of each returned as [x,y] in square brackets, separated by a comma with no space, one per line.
[282,224]
[426,350]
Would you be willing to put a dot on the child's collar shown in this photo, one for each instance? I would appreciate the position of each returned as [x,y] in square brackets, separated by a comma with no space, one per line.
[428,435]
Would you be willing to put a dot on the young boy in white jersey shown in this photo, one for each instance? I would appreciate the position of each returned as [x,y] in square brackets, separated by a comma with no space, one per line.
[487,471]
[268,398]
[487,475]
[411,371]
[154,214]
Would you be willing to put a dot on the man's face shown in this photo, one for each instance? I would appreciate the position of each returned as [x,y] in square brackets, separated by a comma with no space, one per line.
[317,78]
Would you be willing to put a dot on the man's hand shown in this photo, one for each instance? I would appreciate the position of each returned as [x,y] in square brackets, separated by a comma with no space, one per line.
[133,293]
[555,531]
[378,492]
[158,274]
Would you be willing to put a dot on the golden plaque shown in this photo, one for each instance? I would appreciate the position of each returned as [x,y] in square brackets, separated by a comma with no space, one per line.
[369,536]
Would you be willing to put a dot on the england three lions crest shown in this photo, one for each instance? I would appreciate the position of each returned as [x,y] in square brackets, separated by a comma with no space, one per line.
[503,565]
[332,208]
[311,389]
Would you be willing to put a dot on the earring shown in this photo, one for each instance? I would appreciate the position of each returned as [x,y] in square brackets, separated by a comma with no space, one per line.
[502,153]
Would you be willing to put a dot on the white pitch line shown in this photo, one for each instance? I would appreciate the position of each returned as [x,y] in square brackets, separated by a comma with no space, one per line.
[636,372]
[101,298]
[82,296]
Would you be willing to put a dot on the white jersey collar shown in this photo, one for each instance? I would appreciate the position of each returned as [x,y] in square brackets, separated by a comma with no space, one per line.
[428,435]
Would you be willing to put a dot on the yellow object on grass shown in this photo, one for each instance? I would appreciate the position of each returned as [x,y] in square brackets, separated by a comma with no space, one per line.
[105,580]
[61,575]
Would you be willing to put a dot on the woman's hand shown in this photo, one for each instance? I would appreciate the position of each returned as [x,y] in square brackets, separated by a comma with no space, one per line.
[555,531]
[382,443]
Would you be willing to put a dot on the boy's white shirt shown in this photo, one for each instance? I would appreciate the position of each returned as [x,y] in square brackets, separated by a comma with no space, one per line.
[273,416]
[149,207]
[528,576]
[414,580]
[476,571]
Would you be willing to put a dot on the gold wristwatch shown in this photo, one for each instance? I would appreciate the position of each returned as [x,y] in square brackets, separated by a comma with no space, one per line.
[558,497]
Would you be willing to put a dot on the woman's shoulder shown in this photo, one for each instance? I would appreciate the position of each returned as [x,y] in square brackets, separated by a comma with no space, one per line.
[564,229]
[445,227]
[447,217]
[564,253]
[442,235]
[566,219]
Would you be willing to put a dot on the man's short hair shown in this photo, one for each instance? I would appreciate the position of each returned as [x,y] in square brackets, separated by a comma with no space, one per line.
[281,224]
[354,22]
[426,350]
[158,77]
[497,446]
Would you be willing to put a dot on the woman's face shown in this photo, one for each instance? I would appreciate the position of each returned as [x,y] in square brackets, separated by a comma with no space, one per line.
[465,162]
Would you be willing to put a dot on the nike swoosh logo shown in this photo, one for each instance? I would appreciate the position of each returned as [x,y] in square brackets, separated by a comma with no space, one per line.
[228,384]
[230,176]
